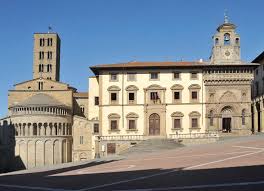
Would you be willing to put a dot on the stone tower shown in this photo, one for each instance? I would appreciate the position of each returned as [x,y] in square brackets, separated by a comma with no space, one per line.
[226,49]
[46,63]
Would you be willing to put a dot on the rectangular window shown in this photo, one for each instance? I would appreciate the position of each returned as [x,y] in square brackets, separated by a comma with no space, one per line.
[113,97]
[49,55]
[113,124]
[41,42]
[177,123]
[40,85]
[154,75]
[81,140]
[96,128]
[41,55]
[176,75]
[49,41]
[194,75]
[176,95]
[194,123]
[131,76]
[194,95]
[154,96]
[131,96]
[96,100]
[113,77]
[131,124]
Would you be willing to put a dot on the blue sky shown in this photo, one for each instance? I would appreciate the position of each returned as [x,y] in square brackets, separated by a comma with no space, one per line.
[111,31]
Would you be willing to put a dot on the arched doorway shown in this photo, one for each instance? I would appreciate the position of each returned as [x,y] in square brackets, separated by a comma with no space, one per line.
[154,124]
[227,119]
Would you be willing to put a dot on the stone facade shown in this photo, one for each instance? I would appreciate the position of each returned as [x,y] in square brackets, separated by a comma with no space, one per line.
[7,145]
[174,99]
[258,95]
[52,123]
[43,111]
[46,56]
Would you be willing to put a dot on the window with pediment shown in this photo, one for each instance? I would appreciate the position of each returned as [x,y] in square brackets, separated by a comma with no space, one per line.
[177,120]
[113,95]
[177,93]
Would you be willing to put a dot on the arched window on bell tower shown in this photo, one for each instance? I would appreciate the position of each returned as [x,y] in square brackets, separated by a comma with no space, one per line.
[226,39]
[216,41]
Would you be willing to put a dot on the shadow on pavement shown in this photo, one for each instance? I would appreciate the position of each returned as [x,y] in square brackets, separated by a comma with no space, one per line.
[166,178]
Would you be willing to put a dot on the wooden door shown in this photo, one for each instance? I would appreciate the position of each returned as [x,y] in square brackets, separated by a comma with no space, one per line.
[227,125]
[154,124]
[111,148]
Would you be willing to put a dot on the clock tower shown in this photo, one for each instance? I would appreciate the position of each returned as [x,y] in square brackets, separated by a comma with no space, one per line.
[226,48]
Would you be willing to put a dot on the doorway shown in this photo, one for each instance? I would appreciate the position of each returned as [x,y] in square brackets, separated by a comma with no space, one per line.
[226,125]
[154,124]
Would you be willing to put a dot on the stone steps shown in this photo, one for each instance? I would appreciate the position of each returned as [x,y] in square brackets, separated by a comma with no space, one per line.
[151,146]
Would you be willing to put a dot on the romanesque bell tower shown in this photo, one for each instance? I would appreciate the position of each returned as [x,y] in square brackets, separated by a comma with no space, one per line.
[46,63]
[226,49]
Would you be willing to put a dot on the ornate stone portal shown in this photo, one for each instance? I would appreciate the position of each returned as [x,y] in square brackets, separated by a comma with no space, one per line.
[228,84]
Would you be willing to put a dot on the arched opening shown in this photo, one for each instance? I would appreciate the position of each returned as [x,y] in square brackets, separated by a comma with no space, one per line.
[227,119]
[216,41]
[154,124]
[226,39]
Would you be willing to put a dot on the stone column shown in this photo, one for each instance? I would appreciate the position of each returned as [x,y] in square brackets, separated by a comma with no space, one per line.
[97,147]
[261,115]
[25,127]
[53,132]
[255,116]
[48,131]
[30,129]
[42,130]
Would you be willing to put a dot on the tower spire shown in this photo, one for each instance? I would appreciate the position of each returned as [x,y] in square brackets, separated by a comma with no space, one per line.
[226,19]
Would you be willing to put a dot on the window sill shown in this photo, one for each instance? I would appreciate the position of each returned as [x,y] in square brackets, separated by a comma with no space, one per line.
[114,104]
[195,101]
[114,130]
[176,129]
[195,128]
[176,102]
[132,130]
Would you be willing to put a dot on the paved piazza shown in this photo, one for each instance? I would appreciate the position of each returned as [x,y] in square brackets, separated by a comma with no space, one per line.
[234,164]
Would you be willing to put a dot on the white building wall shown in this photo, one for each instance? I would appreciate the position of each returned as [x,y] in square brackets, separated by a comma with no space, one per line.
[93,111]
[143,81]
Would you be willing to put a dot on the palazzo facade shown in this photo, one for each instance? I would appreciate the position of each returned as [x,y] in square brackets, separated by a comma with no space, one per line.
[53,123]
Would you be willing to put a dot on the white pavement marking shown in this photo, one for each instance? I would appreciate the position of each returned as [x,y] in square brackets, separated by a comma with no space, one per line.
[111,169]
[128,180]
[32,187]
[168,172]
[190,156]
[222,160]
[201,186]
[244,147]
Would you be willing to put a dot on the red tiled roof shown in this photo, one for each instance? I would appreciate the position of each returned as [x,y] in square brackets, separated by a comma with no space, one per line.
[148,64]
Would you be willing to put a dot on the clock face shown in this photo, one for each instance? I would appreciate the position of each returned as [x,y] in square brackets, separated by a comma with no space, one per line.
[227,54]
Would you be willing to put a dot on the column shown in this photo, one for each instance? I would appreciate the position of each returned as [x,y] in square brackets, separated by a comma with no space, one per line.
[53,131]
[261,115]
[42,130]
[255,116]
[30,129]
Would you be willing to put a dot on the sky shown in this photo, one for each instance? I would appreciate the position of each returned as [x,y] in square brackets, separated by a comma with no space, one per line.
[113,31]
